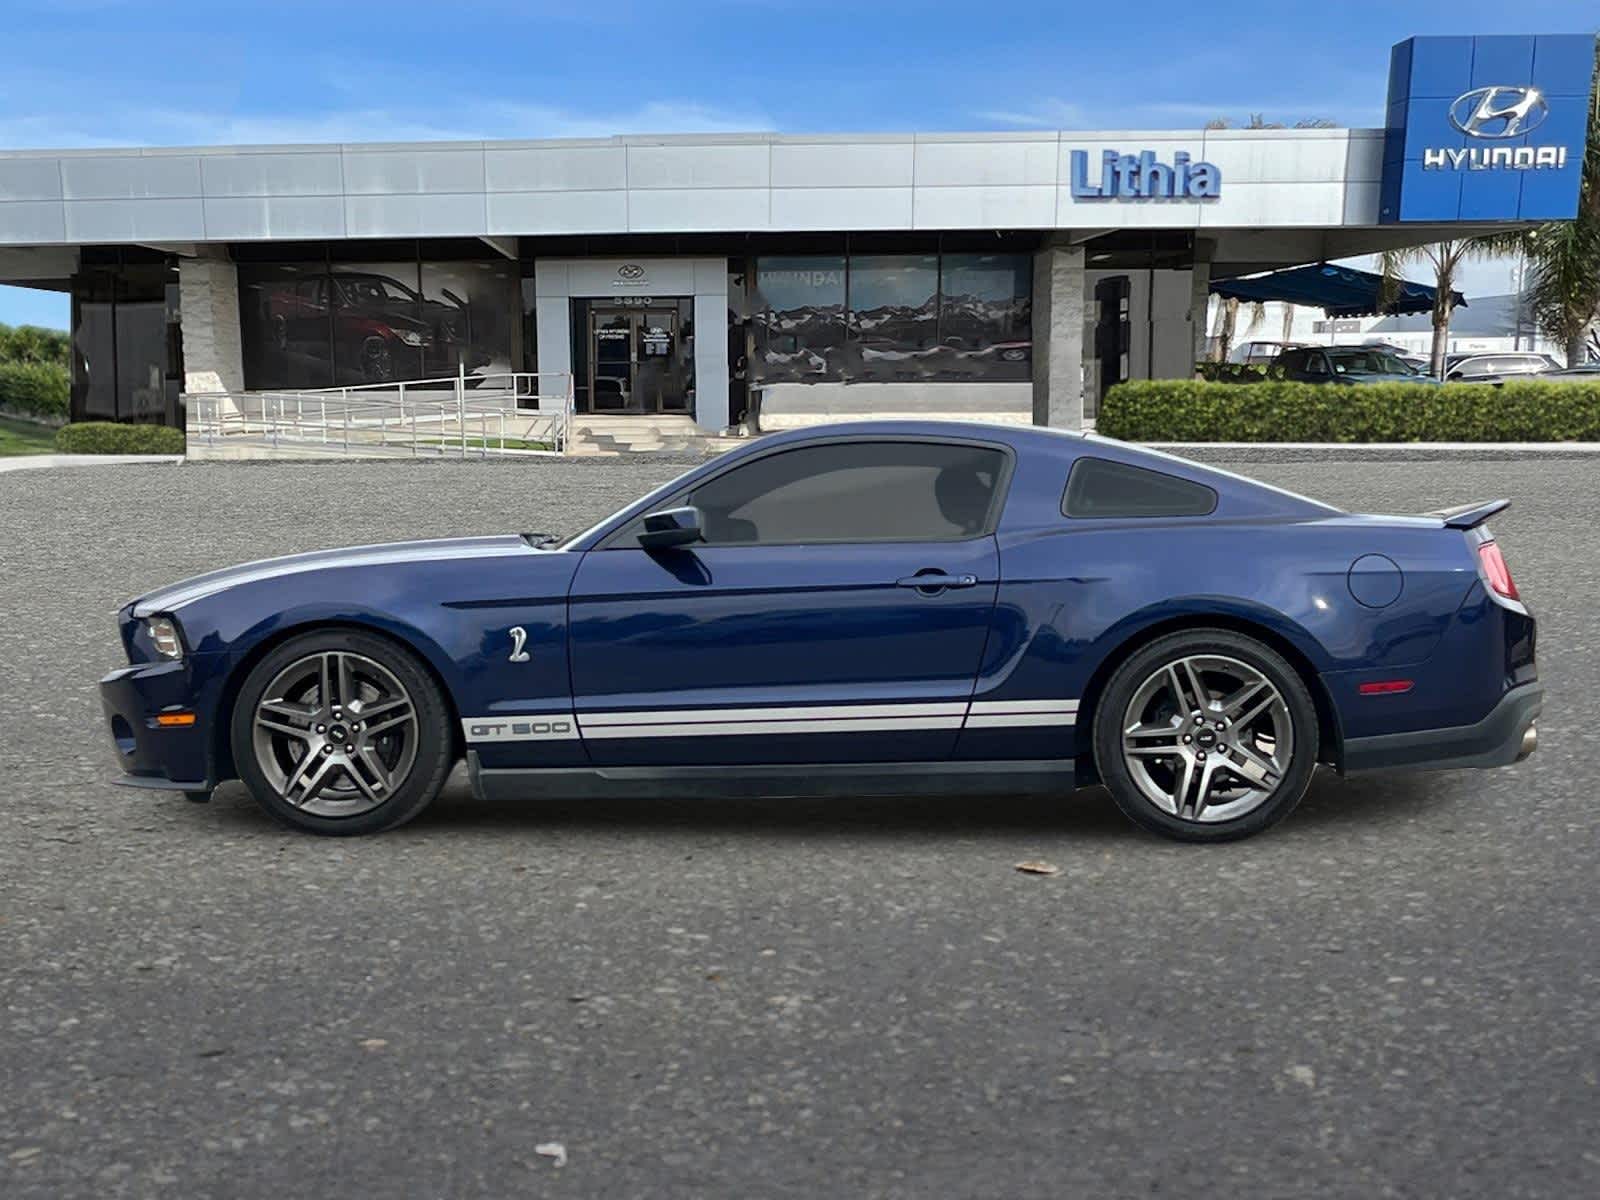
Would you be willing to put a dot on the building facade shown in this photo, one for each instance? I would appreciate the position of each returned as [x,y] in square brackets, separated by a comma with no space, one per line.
[1013,274]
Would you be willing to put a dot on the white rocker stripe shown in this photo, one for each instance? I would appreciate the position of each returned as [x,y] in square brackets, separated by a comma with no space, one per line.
[809,712]
[733,722]
[734,728]
[995,707]
[1007,714]
[1010,720]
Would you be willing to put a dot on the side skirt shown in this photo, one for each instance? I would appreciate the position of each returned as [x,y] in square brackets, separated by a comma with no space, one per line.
[770,781]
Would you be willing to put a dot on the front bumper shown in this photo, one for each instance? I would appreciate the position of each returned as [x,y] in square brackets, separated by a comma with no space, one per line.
[1503,737]
[152,756]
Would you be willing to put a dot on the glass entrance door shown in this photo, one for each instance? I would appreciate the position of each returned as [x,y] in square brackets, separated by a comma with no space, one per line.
[637,361]
[611,361]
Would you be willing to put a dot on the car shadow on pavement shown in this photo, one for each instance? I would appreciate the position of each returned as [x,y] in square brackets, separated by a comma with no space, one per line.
[1368,802]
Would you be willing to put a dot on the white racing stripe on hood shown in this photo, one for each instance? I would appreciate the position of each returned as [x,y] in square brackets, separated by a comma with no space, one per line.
[175,596]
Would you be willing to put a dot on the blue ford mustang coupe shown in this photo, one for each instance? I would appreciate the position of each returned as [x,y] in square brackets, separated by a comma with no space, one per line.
[887,607]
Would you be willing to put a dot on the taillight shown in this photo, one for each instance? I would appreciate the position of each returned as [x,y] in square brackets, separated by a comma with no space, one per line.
[1495,572]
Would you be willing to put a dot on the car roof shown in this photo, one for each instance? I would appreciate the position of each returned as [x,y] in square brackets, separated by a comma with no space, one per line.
[1032,440]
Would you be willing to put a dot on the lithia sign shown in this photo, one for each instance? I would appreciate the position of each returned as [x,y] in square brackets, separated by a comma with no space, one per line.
[1143,177]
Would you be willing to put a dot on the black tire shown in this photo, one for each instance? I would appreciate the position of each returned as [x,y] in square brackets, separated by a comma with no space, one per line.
[1125,684]
[434,746]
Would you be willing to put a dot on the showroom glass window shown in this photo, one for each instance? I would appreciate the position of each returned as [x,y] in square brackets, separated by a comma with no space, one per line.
[891,491]
[985,316]
[799,318]
[894,317]
[393,317]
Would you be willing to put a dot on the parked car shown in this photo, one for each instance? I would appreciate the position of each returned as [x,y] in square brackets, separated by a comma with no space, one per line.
[1417,362]
[383,329]
[1586,373]
[1259,353]
[1344,364]
[893,607]
[1492,367]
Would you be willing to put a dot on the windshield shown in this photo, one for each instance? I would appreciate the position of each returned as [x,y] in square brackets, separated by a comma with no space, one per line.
[374,290]
[1368,362]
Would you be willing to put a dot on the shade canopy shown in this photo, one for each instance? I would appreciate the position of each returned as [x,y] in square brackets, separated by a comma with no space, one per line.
[1338,291]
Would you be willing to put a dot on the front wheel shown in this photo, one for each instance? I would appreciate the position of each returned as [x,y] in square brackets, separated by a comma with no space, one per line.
[1206,735]
[340,732]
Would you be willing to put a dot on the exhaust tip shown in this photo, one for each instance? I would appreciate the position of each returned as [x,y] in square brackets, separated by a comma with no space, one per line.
[1530,742]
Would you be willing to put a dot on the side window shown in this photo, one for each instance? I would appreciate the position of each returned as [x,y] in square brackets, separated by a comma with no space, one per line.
[855,492]
[1316,363]
[1098,487]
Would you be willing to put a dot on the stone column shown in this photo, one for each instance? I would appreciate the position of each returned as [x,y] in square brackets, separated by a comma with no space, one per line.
[208,296]
[1058,307]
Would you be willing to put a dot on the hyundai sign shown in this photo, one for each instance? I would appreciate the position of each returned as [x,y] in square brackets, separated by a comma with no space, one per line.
[1486,128]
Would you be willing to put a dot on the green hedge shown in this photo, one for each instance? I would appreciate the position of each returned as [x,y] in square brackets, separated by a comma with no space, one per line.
[34,389]
[1187,410]
[108,437]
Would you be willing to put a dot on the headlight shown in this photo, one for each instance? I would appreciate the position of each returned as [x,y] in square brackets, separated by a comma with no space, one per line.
[410,337]
[163,633]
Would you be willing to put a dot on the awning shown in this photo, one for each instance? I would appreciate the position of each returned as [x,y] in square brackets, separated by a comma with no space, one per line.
[1337,291]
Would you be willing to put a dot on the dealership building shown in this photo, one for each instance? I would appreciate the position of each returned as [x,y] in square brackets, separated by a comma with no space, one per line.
[1013,274]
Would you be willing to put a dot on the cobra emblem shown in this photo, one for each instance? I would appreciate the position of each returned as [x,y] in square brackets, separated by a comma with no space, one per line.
[519,639]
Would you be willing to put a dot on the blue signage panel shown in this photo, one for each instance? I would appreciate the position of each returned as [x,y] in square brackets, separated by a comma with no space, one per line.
[1486,128]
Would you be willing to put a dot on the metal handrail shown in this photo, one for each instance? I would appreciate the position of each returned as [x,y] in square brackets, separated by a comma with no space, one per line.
[378,418]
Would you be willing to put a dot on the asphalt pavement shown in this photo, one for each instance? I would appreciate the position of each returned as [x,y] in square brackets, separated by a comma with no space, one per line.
[1394,993]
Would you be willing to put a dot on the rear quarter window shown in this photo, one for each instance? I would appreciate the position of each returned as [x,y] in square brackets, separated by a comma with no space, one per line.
[1098,487]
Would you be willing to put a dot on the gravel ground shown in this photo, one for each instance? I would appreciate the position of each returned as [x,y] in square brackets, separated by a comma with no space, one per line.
[1392,994]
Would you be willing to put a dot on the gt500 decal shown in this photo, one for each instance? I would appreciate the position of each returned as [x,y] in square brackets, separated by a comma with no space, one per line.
[520,728]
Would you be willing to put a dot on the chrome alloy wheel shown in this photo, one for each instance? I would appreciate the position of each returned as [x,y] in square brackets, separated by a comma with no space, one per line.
[335,734]
[1207,738]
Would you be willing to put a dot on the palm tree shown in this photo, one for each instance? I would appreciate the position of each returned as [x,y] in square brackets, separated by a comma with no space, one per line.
[1564,256]
[1445,258]
[1227,322]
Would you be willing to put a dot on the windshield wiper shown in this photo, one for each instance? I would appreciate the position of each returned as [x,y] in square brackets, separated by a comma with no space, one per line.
[540,541]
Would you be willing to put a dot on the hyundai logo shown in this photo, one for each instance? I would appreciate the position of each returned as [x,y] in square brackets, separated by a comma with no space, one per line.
[1499,112]
[630,271]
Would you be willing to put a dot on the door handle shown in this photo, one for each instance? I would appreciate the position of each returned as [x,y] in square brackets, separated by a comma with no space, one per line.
[931,582]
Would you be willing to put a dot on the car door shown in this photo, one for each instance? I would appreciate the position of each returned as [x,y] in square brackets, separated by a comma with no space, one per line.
[836,610]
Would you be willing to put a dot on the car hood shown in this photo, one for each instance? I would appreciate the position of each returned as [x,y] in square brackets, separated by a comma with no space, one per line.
[175,596]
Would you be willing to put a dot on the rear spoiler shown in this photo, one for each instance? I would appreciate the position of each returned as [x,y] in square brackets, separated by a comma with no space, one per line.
[1469,516]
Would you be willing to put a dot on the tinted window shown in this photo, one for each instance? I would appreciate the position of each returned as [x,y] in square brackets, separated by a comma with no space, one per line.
[855,492]
[1099,488]
[1291,360]
[799,318]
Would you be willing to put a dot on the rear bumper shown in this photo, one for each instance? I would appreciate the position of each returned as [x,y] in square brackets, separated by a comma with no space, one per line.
[1500,739]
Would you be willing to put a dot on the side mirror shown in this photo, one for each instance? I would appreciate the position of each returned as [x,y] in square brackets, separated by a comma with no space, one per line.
[671,527]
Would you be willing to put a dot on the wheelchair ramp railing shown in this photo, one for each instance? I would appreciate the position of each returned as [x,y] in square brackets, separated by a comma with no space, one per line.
[481,416]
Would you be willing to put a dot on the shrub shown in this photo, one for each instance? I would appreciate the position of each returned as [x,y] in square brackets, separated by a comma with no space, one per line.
[1227,372]
[108,437]
[34,390]
[31,344]
[1186,410]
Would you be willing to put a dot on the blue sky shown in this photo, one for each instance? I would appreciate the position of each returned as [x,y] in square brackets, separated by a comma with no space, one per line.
[109,72]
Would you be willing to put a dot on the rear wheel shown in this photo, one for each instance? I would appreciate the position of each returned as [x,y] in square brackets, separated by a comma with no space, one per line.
[340,732]
[1206,735]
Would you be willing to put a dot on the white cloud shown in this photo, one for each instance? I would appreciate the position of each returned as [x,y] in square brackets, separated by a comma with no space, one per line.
[466,119]
[1046,113]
